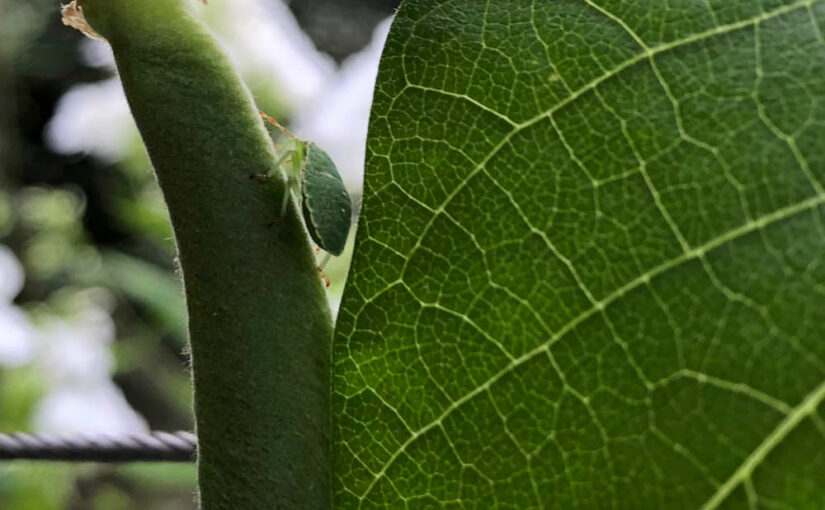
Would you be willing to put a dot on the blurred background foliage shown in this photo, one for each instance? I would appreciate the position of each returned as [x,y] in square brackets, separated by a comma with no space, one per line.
[92,322]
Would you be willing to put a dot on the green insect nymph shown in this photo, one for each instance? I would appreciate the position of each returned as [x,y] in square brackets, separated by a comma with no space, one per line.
[325,203]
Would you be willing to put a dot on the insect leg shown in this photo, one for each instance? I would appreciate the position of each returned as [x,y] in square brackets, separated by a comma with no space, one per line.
[288,183]
[324,276]
[320,267]
[277,124]
[324,261]
[281,158]
[265,177]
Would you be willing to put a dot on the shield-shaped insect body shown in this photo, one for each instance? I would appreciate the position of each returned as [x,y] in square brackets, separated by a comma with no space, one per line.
[325,202]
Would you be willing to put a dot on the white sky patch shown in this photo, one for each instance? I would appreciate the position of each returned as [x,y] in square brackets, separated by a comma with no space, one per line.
[16,337]
[263,39]
[76,363]
[76,350]
[11,275]
[90,409]
[92,119]
[97,53]
[338,120]
[16,333]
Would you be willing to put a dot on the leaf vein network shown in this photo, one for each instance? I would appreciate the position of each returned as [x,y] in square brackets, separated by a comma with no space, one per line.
[698,252]
[793,417]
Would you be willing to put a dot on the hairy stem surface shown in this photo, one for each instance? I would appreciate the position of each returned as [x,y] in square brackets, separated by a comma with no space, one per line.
[259,322]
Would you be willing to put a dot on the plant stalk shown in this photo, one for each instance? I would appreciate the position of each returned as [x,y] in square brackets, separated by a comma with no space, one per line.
[259,324]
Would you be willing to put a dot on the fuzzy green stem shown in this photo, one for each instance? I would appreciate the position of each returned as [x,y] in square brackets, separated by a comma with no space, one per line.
[259,323]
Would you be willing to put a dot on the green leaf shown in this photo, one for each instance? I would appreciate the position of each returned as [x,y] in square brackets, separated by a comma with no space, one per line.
[589,271]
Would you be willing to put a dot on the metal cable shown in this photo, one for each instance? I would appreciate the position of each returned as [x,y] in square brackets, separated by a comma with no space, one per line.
[176,446]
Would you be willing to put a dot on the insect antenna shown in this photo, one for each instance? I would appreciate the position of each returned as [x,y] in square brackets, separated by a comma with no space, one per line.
[277,124]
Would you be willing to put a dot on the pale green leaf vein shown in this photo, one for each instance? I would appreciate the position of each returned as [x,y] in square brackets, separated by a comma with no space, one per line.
[699,251]
[743,473]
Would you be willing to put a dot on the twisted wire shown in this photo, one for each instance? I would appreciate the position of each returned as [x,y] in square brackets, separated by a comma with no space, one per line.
[176,446]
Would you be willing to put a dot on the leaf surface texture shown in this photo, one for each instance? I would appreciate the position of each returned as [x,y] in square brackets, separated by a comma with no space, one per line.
[589,269]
